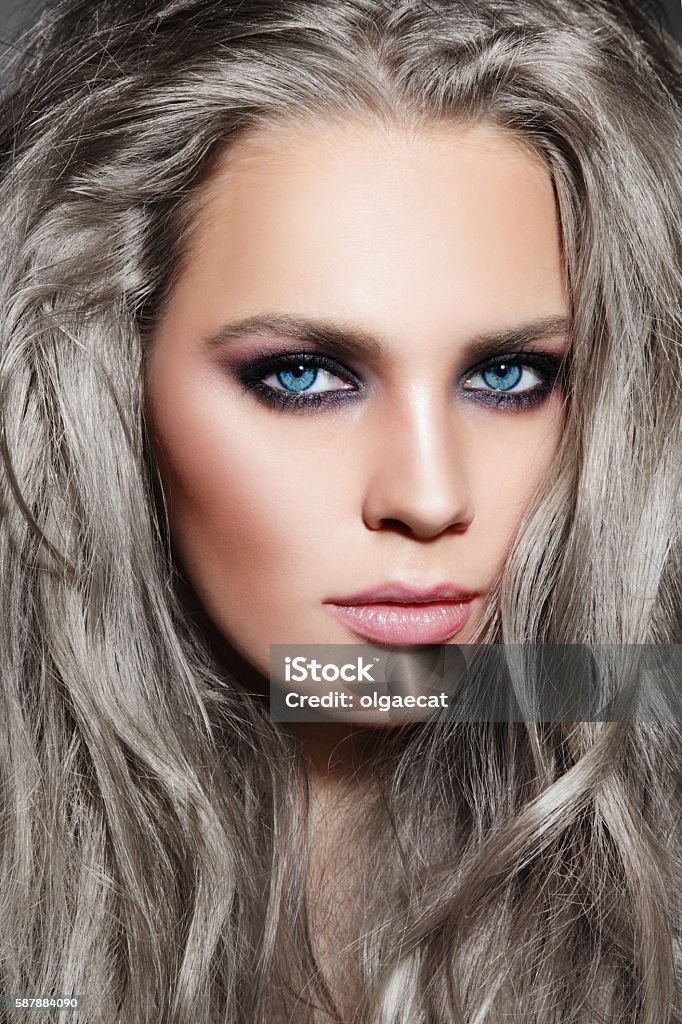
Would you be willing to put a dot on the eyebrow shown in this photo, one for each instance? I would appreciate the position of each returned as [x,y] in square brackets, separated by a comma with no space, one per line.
[353,342]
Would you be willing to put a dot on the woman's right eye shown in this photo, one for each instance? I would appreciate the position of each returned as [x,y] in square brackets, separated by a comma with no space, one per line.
[301,380]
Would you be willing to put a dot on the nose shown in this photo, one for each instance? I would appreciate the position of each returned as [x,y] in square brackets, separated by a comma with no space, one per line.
[418,480]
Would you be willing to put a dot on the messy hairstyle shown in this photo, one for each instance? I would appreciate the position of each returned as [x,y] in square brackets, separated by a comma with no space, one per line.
[154,841]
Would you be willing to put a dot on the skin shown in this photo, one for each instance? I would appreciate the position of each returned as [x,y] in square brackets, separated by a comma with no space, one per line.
[426,238]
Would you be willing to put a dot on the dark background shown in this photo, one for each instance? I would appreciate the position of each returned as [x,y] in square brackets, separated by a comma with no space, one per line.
[15,14]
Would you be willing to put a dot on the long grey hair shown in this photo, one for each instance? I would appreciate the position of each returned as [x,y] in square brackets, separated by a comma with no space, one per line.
[153,841]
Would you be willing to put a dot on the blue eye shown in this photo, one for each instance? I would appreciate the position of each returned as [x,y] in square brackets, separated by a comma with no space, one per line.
[298,379]
[301,377]
[305,380]
[504,378]
[519,380]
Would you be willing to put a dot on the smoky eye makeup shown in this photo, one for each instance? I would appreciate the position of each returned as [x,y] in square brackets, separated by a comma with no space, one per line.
[517,380]
[298,380]
[306,381]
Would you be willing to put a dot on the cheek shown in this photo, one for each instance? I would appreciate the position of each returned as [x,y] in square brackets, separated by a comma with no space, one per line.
[508,463]
[249,506]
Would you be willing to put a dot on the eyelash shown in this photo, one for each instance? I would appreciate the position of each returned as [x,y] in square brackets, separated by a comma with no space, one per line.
[550,367]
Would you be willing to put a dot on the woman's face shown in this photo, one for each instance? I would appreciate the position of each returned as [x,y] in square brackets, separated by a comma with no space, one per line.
[354,390]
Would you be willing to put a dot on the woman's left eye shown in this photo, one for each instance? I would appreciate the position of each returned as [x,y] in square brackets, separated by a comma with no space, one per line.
[504,377]
[517,380]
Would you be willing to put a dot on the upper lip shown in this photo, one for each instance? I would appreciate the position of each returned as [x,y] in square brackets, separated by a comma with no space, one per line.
[403,593]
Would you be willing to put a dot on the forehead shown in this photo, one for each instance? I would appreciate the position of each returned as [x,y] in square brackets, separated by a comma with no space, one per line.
[288,154]
[374,222]
[327,159]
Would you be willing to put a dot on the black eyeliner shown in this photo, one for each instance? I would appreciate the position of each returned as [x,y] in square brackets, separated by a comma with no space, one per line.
[250,373]
[554,369]
[267,363]
[250,376]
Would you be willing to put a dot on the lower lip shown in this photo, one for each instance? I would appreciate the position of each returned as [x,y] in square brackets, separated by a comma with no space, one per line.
[432,623]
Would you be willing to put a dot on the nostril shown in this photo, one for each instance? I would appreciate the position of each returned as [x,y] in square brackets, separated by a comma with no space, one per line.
[396,524]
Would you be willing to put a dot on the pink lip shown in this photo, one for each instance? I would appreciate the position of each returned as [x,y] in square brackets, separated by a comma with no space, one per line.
[396,613]
[403,593]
